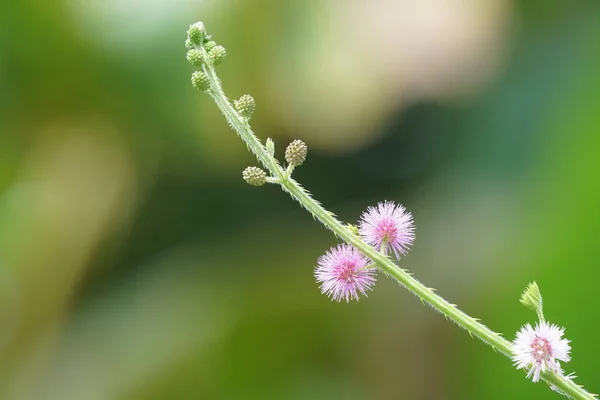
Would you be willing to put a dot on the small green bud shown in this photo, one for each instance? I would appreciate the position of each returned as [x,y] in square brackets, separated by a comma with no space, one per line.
[211,44]
[532,299]
[197,33]
[189,44]
[245,105]
[217,54]
[195,57]
[254,176]
[270,147]
[200,81]
[295,153]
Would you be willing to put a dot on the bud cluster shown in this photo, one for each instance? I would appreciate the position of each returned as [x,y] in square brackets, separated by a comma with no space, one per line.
[202,51]
[197,33]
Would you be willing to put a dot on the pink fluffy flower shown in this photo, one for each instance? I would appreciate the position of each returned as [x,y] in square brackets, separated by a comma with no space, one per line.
[539,348]
[388,226]
[344,273]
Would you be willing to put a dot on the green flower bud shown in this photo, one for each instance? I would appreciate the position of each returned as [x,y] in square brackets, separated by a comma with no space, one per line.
[295,153]
[254,176]
[195,57]
[210,45]
[201,81]
[532,299]
[217,55]
[189,44]
[245,105]
[197,33]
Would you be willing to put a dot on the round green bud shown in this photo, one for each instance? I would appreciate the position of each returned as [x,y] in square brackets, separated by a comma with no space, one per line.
[295,153]
[245,105]
[211,44]
[195,57]
[254,176]
[201,81]
[217,54]
[197,33]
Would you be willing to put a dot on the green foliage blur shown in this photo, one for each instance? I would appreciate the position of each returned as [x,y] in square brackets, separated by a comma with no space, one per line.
[136,264]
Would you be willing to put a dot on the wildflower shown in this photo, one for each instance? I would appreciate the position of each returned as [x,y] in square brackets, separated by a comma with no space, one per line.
[344,272]
[388,226]
[539,349]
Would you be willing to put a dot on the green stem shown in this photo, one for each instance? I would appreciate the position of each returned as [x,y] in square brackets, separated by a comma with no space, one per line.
[427,295]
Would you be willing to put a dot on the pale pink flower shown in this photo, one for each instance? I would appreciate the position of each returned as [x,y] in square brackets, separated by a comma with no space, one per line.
[388,226]
[539,348]
[344,273]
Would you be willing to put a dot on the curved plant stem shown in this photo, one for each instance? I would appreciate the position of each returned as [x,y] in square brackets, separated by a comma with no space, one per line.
[404,278]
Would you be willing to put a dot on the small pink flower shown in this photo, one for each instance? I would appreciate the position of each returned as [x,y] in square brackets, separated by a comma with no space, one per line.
[388,226]
[539,348]
[343,272]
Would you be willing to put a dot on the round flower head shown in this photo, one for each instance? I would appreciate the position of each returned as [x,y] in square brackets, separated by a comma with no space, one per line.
[343,273]
[388,226]
[539,349]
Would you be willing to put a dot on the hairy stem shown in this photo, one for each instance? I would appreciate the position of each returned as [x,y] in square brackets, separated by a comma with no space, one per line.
[427,295]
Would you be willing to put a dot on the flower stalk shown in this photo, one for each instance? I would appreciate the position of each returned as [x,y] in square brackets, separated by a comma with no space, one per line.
[240,124]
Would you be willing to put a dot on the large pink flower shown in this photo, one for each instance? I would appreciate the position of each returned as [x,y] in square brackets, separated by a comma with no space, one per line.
[344,273]
[388,226]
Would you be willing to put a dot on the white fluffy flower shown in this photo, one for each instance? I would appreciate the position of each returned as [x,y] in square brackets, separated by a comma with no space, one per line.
[539,348]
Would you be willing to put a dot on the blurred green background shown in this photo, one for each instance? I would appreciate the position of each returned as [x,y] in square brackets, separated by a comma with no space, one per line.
[136,264]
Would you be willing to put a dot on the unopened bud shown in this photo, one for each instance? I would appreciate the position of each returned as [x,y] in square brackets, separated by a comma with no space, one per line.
[245,105]
[195,57]
[201,81]
[254,176]
[211,44]
[217,54]
[197,33]
[532,299]
[295,153]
